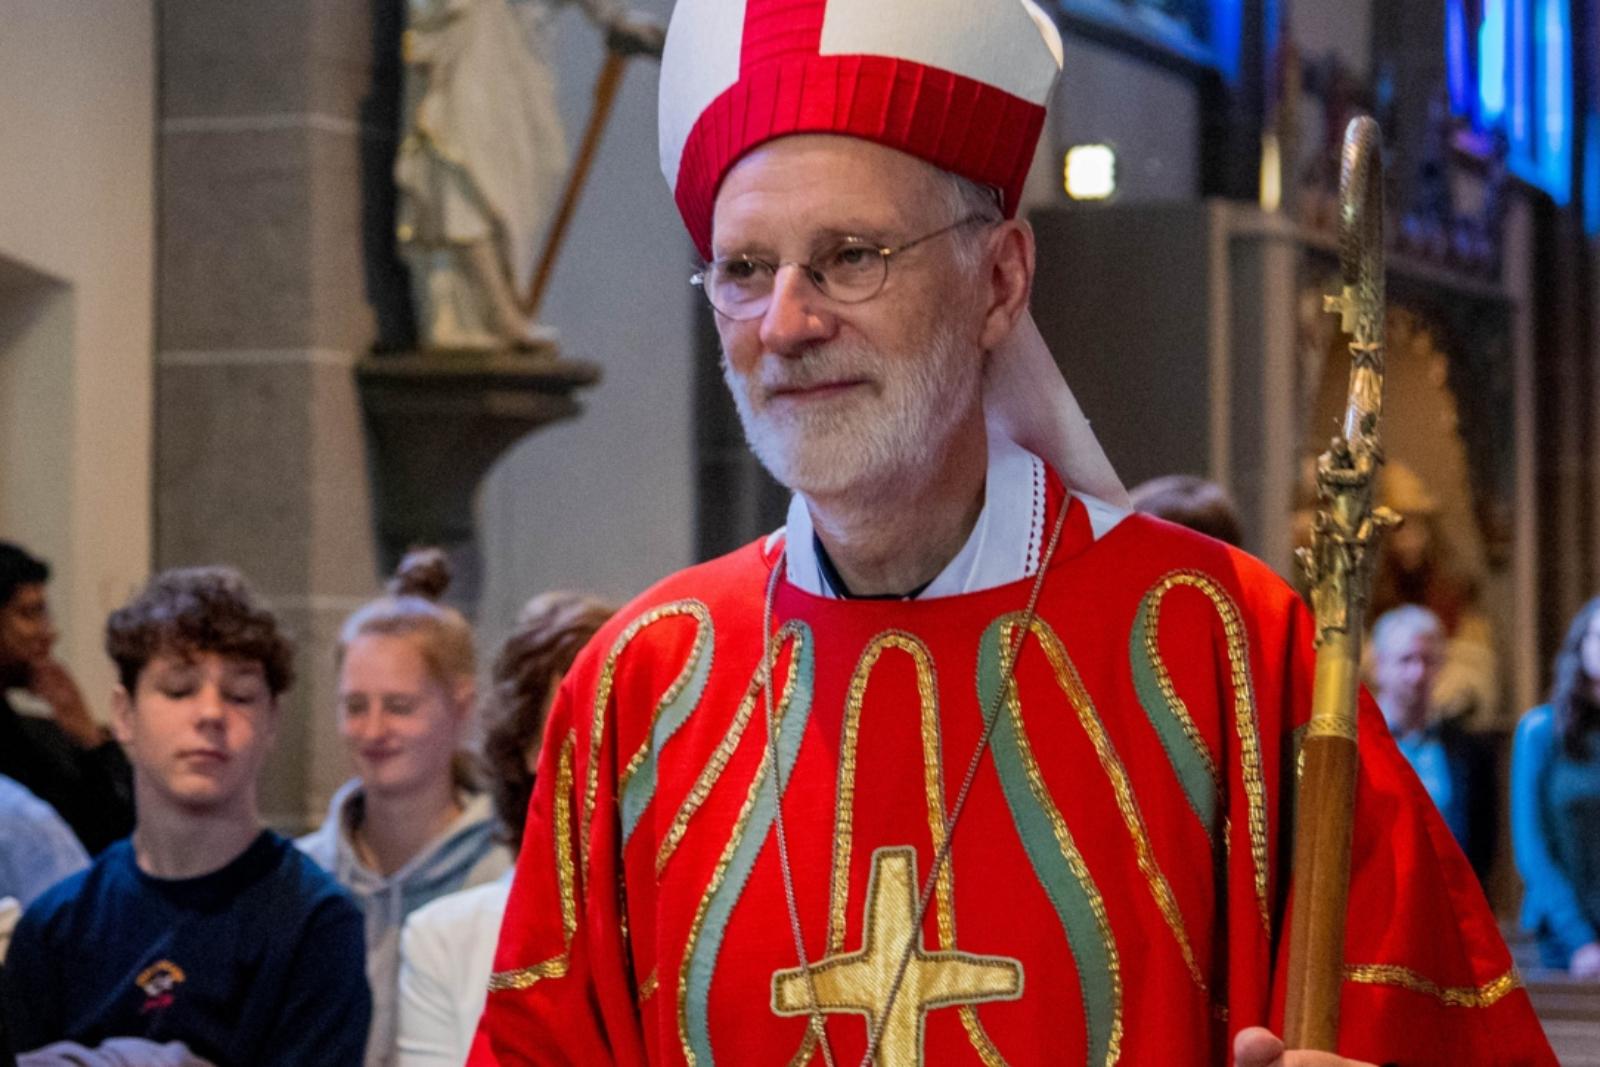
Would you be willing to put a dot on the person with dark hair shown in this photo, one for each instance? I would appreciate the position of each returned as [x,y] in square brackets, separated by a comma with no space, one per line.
[1555,805]
[67,760]
[204,929]
[412,825]
[447,947]
[1190,501]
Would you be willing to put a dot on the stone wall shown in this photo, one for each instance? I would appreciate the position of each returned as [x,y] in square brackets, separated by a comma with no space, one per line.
[270,116]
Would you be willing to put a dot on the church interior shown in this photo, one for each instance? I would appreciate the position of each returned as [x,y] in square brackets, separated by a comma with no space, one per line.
[226,339]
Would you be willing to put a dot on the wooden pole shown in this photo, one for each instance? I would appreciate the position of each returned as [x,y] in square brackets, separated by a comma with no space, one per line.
[1322,867]
[1339,564]
[605,96]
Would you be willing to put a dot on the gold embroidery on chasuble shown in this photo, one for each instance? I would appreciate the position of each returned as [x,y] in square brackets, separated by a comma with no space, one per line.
[1398,977]
[566,876]
[1053,853]
[525,977]
[570,873]
[693,609]
[933,788]
[751,829]
[1072,687]
[860,982]
[702,637]
[712,772]
[1245,724]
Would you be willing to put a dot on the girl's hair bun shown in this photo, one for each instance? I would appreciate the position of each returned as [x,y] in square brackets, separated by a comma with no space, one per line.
[424,572]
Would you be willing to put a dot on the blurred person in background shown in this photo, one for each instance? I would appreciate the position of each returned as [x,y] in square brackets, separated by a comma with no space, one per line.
[1417,565]
[1408,650]
[66,759]
[413,824]
[37,848]
[1555,805]
[1191,501]
[205,937]
[447,947]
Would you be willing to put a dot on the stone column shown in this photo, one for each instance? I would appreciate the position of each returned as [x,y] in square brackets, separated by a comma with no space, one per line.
[274,277]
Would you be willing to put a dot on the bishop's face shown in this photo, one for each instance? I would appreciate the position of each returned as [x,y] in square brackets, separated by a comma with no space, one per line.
[844,398]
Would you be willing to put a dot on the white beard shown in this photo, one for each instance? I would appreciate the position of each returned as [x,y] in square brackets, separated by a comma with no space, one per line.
[861,442]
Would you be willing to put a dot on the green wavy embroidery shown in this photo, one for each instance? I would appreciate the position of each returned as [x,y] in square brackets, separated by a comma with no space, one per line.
[1246,727]
[1056,861]
[1190,762]
[739,859]
[641,787]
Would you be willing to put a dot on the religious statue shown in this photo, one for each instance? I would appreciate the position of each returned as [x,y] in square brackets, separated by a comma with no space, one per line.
[481,165]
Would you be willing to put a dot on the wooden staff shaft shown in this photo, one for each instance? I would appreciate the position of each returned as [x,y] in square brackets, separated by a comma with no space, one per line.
[1323,818]
[605,95]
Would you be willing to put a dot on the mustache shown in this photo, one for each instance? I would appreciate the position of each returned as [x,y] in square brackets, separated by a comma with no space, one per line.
[821,365]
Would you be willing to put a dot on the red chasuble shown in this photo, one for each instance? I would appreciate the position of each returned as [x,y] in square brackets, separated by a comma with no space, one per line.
[1118,887]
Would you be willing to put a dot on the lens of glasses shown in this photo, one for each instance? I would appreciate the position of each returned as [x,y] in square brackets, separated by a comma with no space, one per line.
[738,287]
[850,272]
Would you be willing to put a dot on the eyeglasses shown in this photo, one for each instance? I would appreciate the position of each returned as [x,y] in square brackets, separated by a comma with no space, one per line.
[850,271]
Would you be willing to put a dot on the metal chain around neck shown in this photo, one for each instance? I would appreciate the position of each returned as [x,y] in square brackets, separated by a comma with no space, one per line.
[814,1015]
[942,855]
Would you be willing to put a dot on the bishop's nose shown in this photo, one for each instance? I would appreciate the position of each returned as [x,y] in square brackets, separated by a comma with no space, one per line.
[798,315]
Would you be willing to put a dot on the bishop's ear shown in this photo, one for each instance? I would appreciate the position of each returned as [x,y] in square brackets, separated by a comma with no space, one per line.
[1009,266]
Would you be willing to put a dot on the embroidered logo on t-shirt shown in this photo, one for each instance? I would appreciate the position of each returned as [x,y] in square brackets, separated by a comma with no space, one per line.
[158,981]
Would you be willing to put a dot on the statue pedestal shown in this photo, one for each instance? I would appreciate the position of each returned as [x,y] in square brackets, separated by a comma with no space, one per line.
[436,422]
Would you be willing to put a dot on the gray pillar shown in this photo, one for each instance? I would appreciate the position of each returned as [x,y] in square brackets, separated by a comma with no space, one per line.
[270,115]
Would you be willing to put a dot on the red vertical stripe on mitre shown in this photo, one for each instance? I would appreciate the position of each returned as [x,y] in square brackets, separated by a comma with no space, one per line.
[958,124]
[780,29]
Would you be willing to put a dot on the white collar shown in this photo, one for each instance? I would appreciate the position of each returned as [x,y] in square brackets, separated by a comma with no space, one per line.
[1003,547]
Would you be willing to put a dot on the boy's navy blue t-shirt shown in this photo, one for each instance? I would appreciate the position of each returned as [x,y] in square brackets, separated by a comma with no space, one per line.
[261,962]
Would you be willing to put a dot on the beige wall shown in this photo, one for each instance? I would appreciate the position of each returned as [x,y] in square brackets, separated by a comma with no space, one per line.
[77,84]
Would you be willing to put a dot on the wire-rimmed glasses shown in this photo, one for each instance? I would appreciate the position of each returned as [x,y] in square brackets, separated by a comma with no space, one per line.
[849,271]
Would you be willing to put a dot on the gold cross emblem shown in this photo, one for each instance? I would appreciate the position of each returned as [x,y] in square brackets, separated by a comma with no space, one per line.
[860,982]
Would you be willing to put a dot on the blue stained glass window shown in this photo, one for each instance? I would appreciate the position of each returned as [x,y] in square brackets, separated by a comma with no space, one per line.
[1458,57]
[1492,64]
[1227,23]
[1521,86]
[1524,83]
[1555,128]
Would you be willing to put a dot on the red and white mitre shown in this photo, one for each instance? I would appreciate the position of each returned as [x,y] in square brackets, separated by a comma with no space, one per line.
[962,84]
